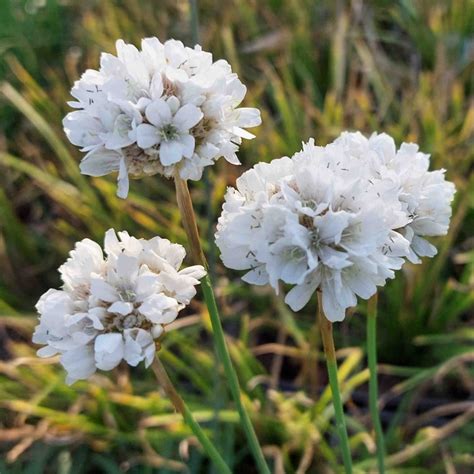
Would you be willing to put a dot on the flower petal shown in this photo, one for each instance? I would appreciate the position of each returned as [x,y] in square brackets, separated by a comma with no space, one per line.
[160,309]
[103,291]
[249,117]
[79,364]
[109,350]
[299,295]
[123,183]
[127,268]
[188,145]
[170,152]
[156,88]
[187,117]
[100,162]
[147,136]
[121,307]
[158,113]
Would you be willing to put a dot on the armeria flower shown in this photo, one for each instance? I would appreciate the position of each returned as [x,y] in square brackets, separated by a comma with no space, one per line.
[334,218]
[113,307]
[163,109]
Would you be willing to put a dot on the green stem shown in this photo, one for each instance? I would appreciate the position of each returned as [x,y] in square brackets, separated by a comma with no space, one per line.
[194,21]
[232,379]
[373,385]
[325,327]
[180,406]
[189,223]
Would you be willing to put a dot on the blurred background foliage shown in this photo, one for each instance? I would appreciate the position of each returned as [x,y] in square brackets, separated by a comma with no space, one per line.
[314,69]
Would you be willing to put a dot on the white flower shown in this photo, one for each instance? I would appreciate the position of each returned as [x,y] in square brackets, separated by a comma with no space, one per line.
[339,218]
[113,308]
[163,109]
[170,129]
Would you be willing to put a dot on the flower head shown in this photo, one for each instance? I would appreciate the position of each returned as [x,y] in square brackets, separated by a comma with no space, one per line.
[340,218]
[163,109]
[113,307]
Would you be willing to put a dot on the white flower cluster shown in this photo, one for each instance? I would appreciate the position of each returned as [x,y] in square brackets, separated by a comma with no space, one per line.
[163,109]
[340,218]
[112,309]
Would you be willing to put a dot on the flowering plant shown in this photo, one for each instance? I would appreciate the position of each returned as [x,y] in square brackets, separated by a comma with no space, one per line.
[341,218]
[114,308]
[165,109]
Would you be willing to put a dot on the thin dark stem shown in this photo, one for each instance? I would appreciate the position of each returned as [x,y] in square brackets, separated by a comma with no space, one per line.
[373,384]
[189,222]
[182,408]
[325,326]
[194,21]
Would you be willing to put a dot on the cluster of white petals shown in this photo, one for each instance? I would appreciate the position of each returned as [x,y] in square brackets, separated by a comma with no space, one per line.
[340,218]
[165,109]
[113,307]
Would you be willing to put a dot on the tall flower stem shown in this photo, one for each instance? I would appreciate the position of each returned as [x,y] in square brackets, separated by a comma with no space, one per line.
[195,36]
[180,406]
[325,327]
[189,222]
[193,4]
[373,384]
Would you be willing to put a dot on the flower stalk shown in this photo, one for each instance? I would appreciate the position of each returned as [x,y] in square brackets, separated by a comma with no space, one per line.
[328,344]
[194,21]
[189,223]
[182,408]
[373,384]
